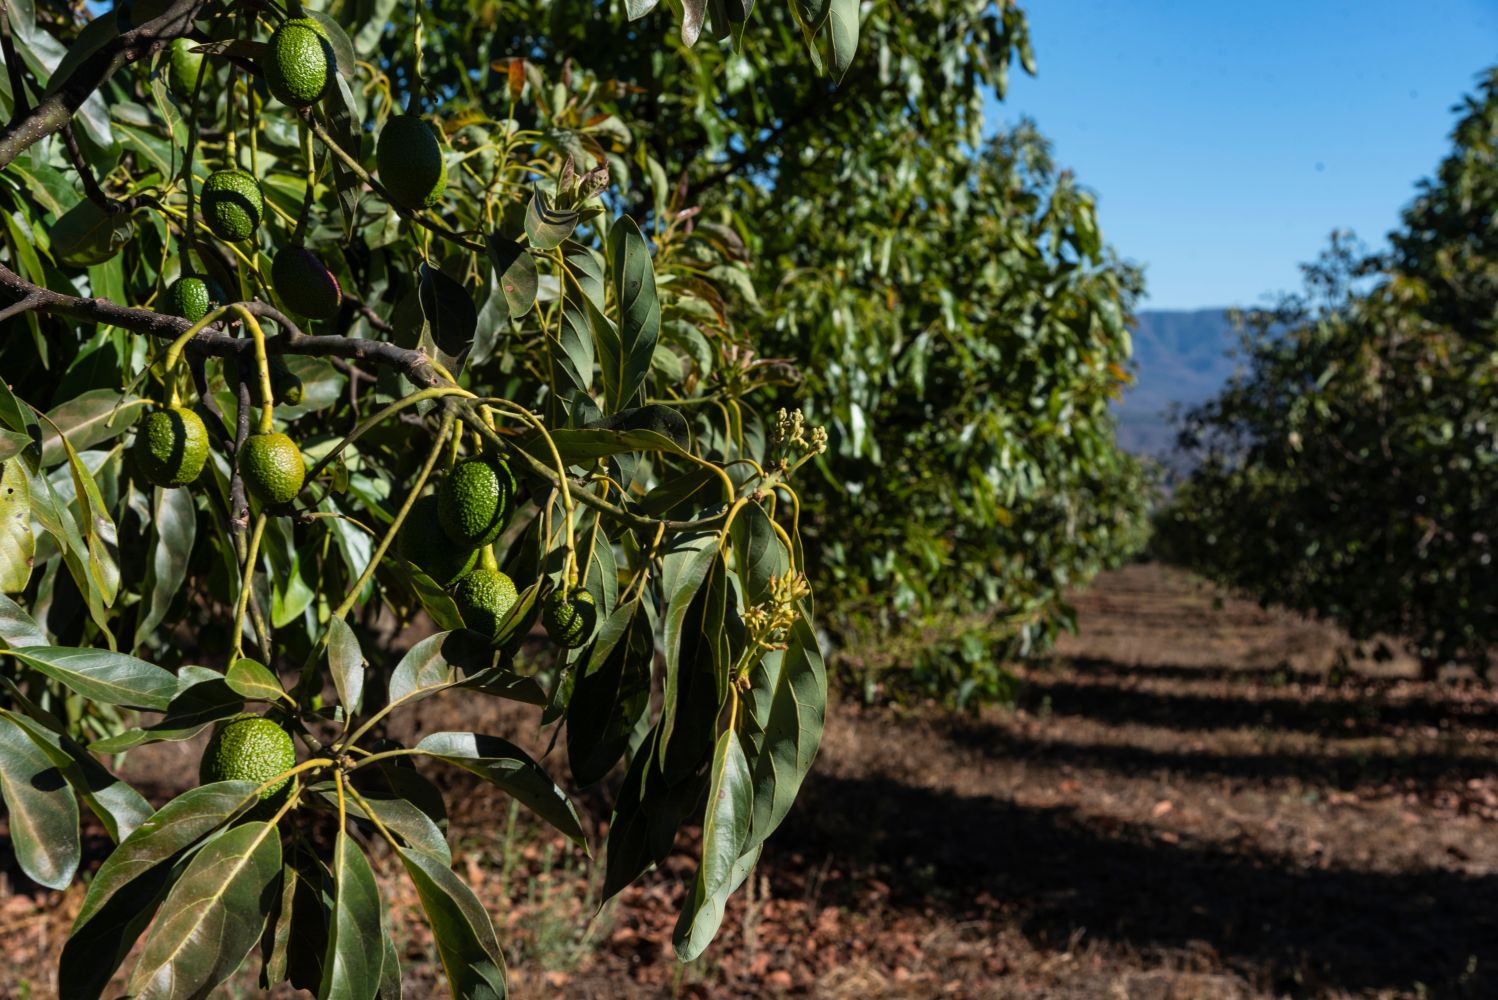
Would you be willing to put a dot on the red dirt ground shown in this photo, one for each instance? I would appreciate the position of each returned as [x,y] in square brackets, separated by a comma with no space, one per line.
[1182,805]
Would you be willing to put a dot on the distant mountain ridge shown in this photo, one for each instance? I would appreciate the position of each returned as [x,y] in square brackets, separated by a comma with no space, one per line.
[1180,358]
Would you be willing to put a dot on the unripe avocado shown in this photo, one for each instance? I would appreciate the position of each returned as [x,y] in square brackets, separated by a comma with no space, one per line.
[232,204]
[298,62]
[184,66]
[271,465]
[248,748]
[409,159]
[171,446]
[475,500]
[570,618]
[188,297]
[305,284]
[483,598]
[423,543]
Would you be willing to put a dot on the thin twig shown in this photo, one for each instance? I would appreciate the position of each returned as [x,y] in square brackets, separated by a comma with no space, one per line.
[239,521]
[91,186]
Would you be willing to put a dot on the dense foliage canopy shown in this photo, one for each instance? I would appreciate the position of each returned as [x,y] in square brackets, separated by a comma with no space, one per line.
[957,323]
[1350,471]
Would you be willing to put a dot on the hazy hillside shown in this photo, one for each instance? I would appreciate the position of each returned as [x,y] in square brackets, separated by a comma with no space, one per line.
[1180,356]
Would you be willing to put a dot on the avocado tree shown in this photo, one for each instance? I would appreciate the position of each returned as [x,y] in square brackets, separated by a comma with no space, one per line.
[943,291]
[287,357]
[1349,472]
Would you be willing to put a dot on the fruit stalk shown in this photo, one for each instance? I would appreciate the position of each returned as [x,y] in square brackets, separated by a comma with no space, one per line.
[246,581]
[267,400]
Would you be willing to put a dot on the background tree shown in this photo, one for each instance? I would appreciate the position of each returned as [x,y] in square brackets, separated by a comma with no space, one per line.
[1349,471]
[958,321]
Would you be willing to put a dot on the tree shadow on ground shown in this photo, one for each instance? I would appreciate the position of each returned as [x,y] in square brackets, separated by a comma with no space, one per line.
[1350,712]
[1427,771]
[1057,873]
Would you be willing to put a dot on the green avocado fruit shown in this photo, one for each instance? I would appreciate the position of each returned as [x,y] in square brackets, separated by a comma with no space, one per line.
[298,62]
[570,618]
[232,204]
[305,284]
[424,544]
[483,598]
[248,748]
[409,159]
[272,469]
[171,445]
[189,298]
[475,500]
[184,66]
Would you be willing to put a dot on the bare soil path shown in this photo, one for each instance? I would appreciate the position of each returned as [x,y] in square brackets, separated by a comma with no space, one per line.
[1182,805]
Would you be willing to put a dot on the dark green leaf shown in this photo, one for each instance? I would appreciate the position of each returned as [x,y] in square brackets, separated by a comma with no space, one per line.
[174,526]
[253,681]
[462,929]
[724,830]
[202,699]
[511,768]
[351,968]
[435,662]
[40,807]
[212,917]
[784,711]
[119,807]
[683,570]
[86,234]
[111,678]
[17,628]
[516,271]
[650,808]
[405,819]
[544,225]
[124,894]
[296,935]
[624,355]
[346,662]
[449,312]
[610,694]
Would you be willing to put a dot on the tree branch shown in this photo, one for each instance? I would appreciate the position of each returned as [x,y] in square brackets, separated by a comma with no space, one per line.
[56,109]
[412,364]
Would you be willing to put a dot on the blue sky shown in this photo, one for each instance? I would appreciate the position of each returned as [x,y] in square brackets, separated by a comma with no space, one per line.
[1227,138]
